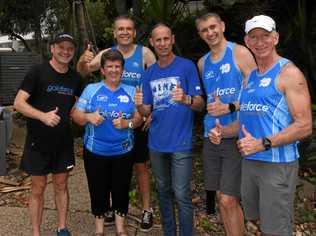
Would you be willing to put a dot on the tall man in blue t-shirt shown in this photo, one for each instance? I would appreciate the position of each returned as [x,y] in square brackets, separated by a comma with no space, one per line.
[137,58]
[171,90]
[223,70]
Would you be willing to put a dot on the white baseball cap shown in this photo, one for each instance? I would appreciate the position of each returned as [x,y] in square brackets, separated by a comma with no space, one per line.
[261,21]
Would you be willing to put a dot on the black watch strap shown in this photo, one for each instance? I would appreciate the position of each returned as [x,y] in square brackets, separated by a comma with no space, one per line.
[231,107]
[266,143]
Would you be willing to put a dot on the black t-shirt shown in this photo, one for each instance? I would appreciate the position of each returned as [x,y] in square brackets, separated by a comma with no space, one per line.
[49,89]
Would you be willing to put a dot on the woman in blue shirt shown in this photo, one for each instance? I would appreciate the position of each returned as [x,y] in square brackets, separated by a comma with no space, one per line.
[107,111]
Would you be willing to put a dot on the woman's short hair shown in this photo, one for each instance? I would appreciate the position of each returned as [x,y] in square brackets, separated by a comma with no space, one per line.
[112,55]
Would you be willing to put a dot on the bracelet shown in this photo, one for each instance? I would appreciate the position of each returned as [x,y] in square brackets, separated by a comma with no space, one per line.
[130,124]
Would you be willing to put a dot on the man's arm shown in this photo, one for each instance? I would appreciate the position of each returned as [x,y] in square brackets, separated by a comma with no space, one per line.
[21,105]
[144,110]
[89,63]
[197,103]
[149,57]
[200,67]
[293,84]
[245,61]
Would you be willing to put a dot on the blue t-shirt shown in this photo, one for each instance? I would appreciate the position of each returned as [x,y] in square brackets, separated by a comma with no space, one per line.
[264,112]
[105,139]
[133,67]
[171,126]
[223,79]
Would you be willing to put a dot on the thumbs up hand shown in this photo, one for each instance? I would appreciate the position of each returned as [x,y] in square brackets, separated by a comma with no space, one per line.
[138,96]
[119,122]
[217,108]
[95,118]
[215,134]
[51,118]
[248,144]
[178,94]
[87,55]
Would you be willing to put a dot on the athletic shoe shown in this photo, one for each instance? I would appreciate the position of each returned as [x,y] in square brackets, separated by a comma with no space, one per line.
[109,217]
[63,232]
[146,223]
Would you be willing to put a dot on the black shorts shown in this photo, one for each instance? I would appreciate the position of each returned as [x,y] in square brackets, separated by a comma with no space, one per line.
[36,162]
[140,151]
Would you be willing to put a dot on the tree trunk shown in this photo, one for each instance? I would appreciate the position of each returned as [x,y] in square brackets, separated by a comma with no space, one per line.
[121,7]
[80,25]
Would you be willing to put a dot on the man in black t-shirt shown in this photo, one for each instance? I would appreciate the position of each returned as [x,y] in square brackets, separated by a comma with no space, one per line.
[46,97]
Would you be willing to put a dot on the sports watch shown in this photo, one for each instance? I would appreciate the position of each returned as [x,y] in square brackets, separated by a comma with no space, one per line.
[231,107]
[266,143]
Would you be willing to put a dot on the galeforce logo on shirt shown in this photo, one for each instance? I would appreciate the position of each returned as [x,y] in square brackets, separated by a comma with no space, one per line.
[253,107]
[131,75]
[115,114]
[123,98]
[60,89]
[224,91]
[265,82]
[225,68]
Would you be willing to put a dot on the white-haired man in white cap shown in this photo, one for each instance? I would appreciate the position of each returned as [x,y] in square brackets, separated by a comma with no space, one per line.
[275,113]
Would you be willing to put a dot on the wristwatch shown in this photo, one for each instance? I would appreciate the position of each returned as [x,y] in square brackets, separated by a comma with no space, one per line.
[189,100]
[130,124]
[266,143]
[231,107]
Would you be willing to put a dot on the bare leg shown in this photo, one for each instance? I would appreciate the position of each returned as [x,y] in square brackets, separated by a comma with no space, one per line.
[119,224]
[142,175]
[61,197]
[232,215]
[99,224]
[36,202]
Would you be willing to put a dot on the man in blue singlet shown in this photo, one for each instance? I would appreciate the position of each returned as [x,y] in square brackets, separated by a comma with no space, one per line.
[222,70]
[171,90]
[137,58]
[275,113]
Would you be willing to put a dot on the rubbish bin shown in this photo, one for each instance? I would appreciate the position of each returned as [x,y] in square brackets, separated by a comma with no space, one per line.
[5,137]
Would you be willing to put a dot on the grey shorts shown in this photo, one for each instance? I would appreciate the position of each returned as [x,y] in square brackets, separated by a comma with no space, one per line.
[222,167]
[268,191]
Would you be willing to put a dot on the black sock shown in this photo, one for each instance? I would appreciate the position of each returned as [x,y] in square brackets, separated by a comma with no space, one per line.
[210,202]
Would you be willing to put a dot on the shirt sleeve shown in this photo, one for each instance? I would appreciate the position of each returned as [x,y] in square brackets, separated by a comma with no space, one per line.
[193,80]
[30,80]
[84,99]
